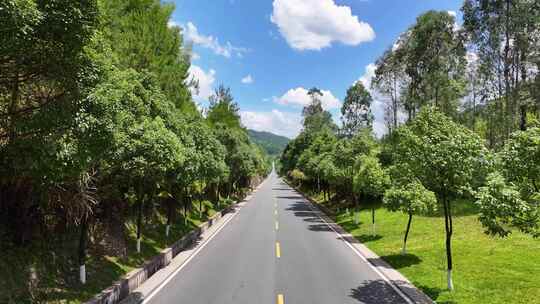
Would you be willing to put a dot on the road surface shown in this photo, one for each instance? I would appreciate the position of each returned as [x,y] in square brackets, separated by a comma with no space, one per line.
[276,250]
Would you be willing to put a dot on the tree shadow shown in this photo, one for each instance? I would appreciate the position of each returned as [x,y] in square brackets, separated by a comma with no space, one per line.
[366,238]
[320,228]
[292,197]
[376,292]
[282,189]
[396,261]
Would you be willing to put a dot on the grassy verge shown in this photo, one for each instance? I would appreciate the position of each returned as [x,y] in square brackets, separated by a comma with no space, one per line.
[53,263]
[486,270]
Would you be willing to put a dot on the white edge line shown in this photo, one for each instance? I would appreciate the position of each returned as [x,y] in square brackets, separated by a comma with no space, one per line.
[396,289]
[173,274]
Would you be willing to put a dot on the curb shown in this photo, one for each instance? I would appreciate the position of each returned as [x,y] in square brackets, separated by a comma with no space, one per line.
[393,276]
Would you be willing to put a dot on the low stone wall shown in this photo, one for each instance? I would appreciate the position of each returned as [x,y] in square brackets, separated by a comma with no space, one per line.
[132,280]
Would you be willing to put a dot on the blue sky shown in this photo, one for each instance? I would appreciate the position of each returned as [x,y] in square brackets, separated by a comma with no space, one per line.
[270,52]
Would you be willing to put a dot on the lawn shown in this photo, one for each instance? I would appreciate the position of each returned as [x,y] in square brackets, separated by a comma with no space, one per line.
[53,263]
[486,270]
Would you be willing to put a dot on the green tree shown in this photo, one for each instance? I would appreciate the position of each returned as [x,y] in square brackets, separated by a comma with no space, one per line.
[434,58]
[410,198]
[443,156]
[356,110]
[370,179]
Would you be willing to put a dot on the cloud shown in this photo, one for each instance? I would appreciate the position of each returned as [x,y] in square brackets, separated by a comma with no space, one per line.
[275,121]
[206,81]
[227,50]
[300,97]
[316,24]
[247,80]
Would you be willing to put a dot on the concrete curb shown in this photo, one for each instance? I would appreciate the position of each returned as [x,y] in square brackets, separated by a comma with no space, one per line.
[414,294]
[123,291]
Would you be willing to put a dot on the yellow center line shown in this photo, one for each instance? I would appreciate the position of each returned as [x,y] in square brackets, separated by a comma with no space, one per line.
[278,250]
[280,299]
[275,212]
[277,225]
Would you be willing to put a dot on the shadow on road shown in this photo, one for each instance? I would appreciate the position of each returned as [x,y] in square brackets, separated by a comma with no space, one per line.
[292,197]
[375,292]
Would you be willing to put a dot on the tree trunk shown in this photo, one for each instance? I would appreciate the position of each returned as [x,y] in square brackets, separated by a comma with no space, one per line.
[169,215]
[82,250]
[449,230]
[373,221]
[139,224]
[404,251]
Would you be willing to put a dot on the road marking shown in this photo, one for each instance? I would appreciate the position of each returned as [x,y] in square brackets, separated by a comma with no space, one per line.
[280,299]
[277,225]
[202,245]
[377,271]
[278,250]
[275,212]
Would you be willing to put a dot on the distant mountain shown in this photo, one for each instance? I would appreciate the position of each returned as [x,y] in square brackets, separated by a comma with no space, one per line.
[273,144]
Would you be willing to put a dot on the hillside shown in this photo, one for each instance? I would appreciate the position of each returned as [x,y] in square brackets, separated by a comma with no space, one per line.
[273,144]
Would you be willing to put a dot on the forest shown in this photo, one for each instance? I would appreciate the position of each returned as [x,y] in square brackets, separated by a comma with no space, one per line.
[105,157]
[462,110]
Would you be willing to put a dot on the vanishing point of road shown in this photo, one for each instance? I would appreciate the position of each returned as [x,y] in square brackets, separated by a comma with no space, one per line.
[276,250]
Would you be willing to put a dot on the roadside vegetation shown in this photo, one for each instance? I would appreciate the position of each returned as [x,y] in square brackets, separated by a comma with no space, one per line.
[461,154]
[105,158]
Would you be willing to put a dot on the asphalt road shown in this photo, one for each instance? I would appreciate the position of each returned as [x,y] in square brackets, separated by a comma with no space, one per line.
[276,250]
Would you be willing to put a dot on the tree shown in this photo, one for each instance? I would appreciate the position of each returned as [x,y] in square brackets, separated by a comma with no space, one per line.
[443,157]
[223,109]
[390,80]
[434,58]
[505,36]
[411,198]
[370,179]
[511,197]
[315,117]
[356,110]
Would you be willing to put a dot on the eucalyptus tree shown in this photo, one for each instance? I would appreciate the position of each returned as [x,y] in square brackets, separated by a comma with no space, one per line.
[315,118]
[390,80]
[443,156]
[505,35]
[412,198]
[434,58]
[356,110]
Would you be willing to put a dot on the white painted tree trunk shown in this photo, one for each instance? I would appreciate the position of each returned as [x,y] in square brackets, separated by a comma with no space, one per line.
[450,282]
[82,273]
[138,245]
[404,250]
[373,229]
[356,216]
[167,230]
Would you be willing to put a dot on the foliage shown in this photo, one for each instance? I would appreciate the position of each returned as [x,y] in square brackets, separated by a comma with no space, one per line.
[356,110]
[411,198]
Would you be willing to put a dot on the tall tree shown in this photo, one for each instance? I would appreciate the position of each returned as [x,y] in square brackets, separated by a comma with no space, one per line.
[505,35]
[356,110]
[434,58]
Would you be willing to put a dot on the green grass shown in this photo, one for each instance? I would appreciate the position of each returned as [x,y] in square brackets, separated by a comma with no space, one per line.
[486,270]
[55,266]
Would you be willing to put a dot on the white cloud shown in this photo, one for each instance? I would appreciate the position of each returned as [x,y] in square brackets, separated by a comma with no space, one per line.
[195,56]
[247,80]
[210,42]
[172,23]
[315,24]
[206,81]
[275,121]
[452,13]
[300,97]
